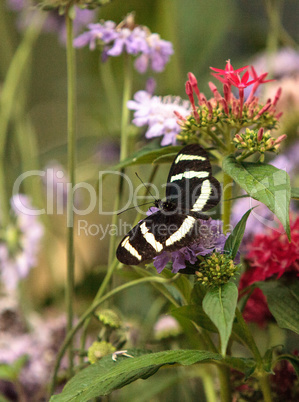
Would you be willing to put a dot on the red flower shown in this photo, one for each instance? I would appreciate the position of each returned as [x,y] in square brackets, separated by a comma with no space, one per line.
[228,70]
[269,254]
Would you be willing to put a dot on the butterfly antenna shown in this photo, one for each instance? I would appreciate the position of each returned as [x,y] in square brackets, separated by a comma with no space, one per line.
[140,205]
[149,191]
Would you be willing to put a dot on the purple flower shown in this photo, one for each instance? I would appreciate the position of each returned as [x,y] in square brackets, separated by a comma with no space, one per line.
[158,113]
[98,33]
[152,51]
[157,56]
[40,346]
[19,246]
[211,238]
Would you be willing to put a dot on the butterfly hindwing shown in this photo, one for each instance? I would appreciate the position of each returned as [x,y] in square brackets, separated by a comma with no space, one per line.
[158,232]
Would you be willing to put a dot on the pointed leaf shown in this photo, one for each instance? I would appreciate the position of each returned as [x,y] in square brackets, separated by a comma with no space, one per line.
[234,240]
[264,183]
[220,305]
[148,155]
[106,375]
[195,313]
[283,302]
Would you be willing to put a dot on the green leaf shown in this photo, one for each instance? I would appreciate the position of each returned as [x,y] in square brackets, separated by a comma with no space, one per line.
[195,313]
[106,375]
[295,193]
[264,183]
[148,155]
[283,302]
[10,372]
[220,305]
[294,360]
[234,240]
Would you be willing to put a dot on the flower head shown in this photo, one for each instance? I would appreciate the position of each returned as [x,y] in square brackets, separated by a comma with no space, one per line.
[20,243]
[127,37]
[158,113]
[211,238]
[216,270]
[208,115]
[166,326]
[269,255]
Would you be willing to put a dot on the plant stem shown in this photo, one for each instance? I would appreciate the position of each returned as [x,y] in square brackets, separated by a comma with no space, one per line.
[225,386]
[71,108]
[90,310]
[265,387]
[227,201]
[128,73]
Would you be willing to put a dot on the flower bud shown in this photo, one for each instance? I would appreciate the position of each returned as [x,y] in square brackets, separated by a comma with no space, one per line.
[98,350]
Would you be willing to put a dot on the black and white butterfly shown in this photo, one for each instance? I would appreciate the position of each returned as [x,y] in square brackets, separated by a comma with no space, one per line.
[191,189]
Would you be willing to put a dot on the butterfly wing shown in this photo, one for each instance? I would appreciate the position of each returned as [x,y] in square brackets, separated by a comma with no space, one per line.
[158,232]
[190,184]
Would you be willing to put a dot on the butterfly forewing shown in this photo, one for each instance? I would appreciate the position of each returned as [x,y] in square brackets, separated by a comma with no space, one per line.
[158,232]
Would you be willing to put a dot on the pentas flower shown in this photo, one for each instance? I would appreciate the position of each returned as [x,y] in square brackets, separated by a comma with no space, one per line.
[159,114]
[269,255]
[212,117]
[127,37]
[210,238]
[19,243]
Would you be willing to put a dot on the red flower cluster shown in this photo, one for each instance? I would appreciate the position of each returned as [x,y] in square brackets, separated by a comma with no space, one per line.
[230,105]
[269,254]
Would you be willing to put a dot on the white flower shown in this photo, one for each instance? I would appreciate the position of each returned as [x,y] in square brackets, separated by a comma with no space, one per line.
[158,113]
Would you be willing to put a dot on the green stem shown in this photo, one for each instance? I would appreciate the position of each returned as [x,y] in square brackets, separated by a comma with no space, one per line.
[216,139]
[227,188]
[90,310]
[247,337]
[227,201]
[225,386]
[265,387]
[7,100]
[71,119]
[246,155]
[125,111]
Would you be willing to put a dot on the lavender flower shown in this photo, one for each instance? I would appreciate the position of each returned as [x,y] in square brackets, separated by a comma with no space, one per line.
[19,244]
[166,326]
[128,38]
[158,113]
[40,347]
[211,238]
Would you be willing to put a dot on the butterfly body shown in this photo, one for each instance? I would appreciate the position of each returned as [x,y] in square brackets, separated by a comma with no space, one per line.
[191,189]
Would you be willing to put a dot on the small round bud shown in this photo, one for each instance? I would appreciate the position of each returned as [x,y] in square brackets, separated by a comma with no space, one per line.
[216,270]
[109,317]
[98,350]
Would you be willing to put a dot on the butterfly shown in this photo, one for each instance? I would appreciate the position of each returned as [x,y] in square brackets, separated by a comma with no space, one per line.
[191,189]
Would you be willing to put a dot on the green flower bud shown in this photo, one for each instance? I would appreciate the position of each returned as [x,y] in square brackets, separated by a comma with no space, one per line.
[109,317]
[98,350]
[216,270]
